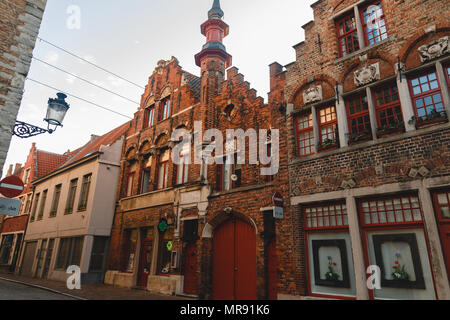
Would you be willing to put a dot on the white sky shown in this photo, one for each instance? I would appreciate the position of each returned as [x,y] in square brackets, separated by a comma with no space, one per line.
[129,37]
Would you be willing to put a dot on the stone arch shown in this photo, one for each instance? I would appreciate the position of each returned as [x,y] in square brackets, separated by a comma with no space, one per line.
[166,91]
[322,78]
[131,153]
[419,39]
[150,100]
[386,64]
[219,219]
[145,147]
[162,140]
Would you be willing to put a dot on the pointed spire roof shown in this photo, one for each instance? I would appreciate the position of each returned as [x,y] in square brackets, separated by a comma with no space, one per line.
[215,12]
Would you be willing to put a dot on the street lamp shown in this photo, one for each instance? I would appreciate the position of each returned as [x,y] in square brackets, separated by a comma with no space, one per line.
[56,111]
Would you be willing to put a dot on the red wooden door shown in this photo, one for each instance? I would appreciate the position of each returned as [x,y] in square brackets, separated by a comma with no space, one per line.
[190,269]
[234,262]
[145,262]
[272,270]
[442,204]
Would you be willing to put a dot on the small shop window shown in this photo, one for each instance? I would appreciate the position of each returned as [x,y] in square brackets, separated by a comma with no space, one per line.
[329,254]
[70,251]
[98,254]
[427,97]
[6,248]
[347,35]
[395,242]
[305,135]
[165,251]
[374,23]
[130,244]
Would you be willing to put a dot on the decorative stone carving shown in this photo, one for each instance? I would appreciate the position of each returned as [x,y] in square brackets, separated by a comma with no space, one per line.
[434,49]
[424,171]
[367,74]
[313,94]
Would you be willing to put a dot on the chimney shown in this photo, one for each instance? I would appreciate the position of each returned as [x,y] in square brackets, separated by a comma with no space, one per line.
[10,171]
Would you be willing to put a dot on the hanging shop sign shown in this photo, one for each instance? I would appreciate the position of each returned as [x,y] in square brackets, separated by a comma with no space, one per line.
[162,225]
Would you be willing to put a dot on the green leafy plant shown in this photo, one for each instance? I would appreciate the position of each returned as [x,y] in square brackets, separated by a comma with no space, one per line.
[399,270]
[331,274]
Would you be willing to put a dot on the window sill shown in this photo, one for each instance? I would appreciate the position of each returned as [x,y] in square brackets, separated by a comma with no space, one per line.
[371,143]
[363,50]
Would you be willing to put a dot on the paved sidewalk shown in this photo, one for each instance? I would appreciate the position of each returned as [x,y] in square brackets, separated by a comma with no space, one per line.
[92,292]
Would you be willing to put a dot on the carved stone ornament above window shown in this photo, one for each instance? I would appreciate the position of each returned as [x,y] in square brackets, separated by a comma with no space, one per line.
[367,74]
[313,94]
[434,49]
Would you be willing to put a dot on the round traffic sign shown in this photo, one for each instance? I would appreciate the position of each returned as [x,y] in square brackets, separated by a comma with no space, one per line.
[278,200]
[11,187]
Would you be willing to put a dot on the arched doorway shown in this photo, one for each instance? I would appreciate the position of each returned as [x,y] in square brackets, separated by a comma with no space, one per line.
[234,261]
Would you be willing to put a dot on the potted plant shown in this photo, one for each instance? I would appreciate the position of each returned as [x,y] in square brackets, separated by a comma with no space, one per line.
[358,137]
[392,128]
[399,272]
[327,144]
[331,275]
[433,118]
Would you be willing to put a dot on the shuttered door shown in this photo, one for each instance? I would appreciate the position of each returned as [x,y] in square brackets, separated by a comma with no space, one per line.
[28,259]
[234,262]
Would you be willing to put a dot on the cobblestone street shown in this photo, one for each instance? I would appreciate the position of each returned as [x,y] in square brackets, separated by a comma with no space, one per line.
[10,290]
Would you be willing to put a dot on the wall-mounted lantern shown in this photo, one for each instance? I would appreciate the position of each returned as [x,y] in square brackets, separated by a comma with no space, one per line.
[56,111]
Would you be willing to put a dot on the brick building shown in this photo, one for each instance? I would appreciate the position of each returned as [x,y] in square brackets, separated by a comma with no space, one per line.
[368,142]
[200,229]
[19,27]
[38,164]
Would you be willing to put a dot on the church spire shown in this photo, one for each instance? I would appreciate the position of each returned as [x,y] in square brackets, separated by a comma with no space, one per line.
[215,29]
[215,12]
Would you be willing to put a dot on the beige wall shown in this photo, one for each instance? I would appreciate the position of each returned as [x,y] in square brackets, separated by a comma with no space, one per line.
[95,221]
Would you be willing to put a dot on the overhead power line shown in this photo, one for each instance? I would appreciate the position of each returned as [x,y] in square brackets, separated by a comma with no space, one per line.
[76,97]
[92,64]
[87,81]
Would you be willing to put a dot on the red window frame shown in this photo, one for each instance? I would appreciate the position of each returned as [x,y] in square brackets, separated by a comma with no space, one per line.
[129,191]
[387,105]
[182,167]
[165,166]
[269,178]
[438,204]
[145,166]
[356,115]
[149,117]
[330,207]
[327,119]
[165,109]
[305,134]
[394,207]
[447,72]
[418,85]
[347,37]
[370,36]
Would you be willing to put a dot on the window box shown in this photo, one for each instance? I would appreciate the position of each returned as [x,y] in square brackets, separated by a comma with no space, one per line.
[82,208]
[433,118]
[68,210]
[328,145]
[356,138]
[52,213]
[392,129]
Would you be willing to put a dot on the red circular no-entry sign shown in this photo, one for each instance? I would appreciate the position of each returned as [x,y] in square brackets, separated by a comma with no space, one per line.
[11,187]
